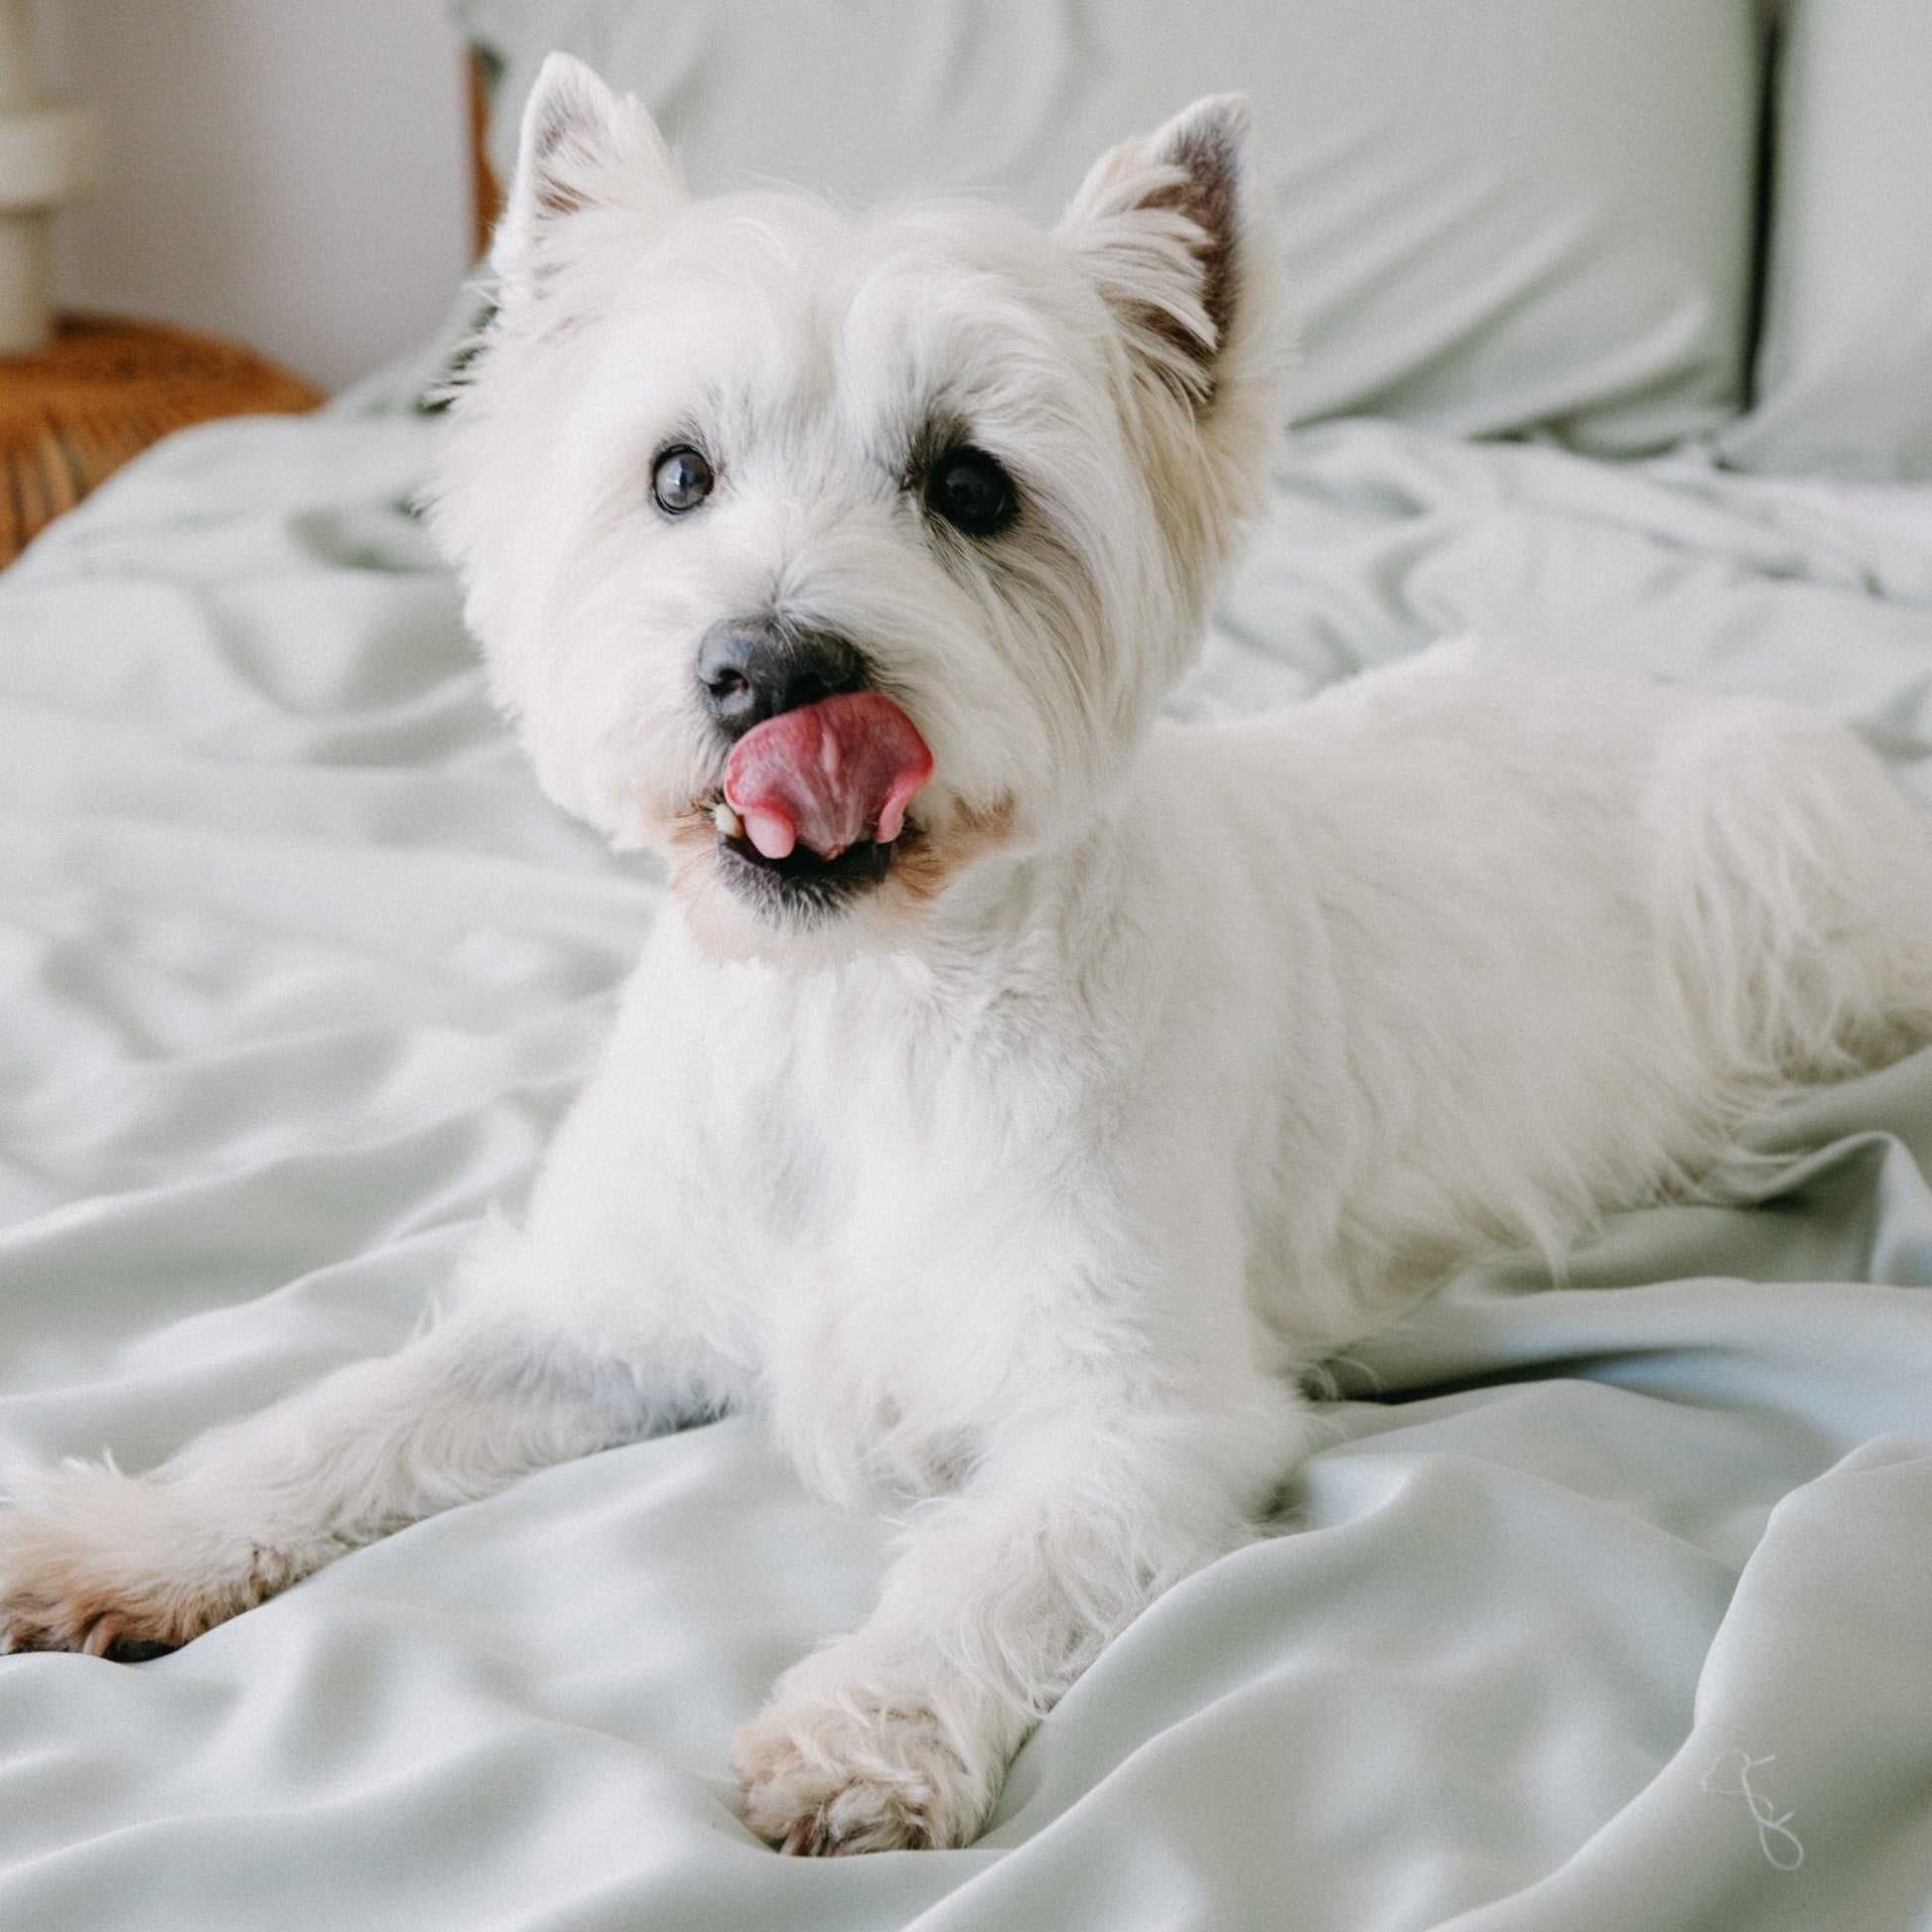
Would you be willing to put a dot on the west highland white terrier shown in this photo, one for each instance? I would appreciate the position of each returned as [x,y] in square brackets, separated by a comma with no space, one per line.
[1018,1092]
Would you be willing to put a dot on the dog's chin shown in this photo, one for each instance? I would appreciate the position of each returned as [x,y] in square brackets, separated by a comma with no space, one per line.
[803,889]
[800,912]
[804,911]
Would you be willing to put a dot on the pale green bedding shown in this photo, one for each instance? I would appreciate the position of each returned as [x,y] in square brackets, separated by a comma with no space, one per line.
[1610,1605]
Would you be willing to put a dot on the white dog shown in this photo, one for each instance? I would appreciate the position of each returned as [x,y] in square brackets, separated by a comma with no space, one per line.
[1020,1091]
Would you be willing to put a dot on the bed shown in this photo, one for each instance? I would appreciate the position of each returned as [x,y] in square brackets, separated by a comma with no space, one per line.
[1608,1600]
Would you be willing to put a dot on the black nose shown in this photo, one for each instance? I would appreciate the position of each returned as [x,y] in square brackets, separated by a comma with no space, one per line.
[748,672]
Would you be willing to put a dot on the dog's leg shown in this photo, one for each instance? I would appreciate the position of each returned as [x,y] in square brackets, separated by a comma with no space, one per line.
[899,1734]
[126,1566]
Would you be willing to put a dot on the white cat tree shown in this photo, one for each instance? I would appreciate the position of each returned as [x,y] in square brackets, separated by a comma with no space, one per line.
[47,158]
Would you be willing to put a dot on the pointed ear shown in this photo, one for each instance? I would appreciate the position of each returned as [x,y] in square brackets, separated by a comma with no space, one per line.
[1172,225]
[582,149]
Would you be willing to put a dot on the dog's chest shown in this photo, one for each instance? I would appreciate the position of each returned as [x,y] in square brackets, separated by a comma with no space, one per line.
[879,1220]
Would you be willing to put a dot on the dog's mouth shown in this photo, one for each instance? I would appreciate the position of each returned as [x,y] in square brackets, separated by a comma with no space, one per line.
[802,883]
[813,804]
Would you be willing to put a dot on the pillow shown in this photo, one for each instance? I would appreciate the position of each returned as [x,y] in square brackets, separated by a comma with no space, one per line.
[1845,369]
[1498,216]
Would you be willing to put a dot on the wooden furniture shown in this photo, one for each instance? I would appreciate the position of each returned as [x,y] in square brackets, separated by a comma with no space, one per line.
[73,414]
[486,193]
[105,389]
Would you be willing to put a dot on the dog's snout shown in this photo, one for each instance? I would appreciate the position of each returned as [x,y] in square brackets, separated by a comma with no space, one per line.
[748,673]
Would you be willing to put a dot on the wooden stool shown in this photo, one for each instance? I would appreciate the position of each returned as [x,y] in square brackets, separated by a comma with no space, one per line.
[72,415]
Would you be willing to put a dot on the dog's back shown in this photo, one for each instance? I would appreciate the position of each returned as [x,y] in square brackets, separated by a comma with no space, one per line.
[1572,930]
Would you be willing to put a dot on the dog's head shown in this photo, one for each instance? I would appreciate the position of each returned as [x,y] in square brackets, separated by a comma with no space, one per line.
[833,557]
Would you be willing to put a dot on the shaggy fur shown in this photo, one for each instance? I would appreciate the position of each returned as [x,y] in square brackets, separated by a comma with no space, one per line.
[1155,1065]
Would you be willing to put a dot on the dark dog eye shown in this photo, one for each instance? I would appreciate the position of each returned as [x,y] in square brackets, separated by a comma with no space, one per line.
[971,492]
[682,479]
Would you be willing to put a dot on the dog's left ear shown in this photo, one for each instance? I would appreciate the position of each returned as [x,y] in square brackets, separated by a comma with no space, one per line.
[1171,226]
[585,153]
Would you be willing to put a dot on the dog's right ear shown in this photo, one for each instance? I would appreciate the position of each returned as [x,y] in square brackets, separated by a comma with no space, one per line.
[584,152]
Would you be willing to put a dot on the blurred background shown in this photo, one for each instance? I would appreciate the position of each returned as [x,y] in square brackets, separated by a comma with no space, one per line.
[290,175]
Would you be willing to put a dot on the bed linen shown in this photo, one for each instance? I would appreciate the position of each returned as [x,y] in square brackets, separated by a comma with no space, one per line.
[1606,1605]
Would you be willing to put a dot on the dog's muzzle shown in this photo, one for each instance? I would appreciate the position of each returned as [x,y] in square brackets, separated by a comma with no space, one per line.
[821,769]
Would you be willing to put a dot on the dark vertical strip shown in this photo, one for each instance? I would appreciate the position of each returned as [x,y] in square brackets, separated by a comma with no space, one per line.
[1774,36]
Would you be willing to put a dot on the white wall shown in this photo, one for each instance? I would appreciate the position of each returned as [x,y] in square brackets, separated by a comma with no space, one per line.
[290,173]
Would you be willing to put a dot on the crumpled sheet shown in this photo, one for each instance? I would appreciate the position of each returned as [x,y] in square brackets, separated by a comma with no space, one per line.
[1607,1605]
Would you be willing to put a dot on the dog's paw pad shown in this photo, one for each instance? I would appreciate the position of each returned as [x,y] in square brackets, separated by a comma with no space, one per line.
[828,1781]
[104,1568]
[79,1626]
[50,1598]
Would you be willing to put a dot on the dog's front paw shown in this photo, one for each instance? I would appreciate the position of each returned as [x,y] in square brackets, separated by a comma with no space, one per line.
[112,1566]
[828,1775]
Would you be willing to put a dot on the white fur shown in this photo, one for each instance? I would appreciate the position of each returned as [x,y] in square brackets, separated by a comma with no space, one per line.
[1171,1060]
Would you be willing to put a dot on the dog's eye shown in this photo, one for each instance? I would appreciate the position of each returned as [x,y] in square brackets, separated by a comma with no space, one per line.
[682,479]
[971,492]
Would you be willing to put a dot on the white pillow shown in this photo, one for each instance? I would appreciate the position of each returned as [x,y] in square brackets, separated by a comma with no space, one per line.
[1845,367]
[1497,215]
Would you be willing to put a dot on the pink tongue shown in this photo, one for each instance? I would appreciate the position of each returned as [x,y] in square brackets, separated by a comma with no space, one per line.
[827,774]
